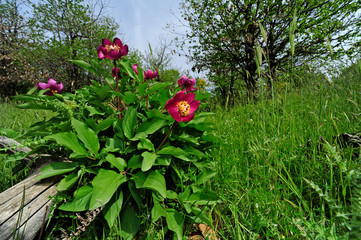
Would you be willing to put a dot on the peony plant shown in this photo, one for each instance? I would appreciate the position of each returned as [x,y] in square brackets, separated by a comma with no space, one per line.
[134,151]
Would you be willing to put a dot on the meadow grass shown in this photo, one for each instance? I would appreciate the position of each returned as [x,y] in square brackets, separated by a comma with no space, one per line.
[281,172]
[18,120]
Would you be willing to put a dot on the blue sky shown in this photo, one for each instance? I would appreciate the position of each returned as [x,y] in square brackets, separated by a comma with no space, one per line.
[143,21]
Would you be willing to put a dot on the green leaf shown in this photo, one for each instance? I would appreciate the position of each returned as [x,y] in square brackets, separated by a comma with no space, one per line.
[80,201]
[203,198]
[146,144]
[149,127]
[87,136]
[175,152]
[127,66]
[84,65]
[105,184]
[103,125]
[68,140]
[151,180]
[135,162]
[157,86]
[16,156]
[157,212]
[201,216]
[175,222]
[130,122]
[129,97]
[119,163]
[142,88]
[148,160]
[130,223]
[38,105]
[112,209]
[67,182]
[57,168]
[9,133]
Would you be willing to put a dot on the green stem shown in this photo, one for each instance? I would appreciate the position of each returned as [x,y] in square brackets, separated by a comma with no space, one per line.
[161,144]
[117,84]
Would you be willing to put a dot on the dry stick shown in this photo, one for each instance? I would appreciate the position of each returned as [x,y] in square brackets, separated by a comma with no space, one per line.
[175,124]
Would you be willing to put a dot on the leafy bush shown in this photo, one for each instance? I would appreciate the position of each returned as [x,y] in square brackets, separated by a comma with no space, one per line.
[126,156]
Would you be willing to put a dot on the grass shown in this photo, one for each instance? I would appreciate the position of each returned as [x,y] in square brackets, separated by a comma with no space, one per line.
[281,172]
[18,120]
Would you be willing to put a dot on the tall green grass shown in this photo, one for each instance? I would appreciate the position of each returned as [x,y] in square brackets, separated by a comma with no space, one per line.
[280,171]
[18,120]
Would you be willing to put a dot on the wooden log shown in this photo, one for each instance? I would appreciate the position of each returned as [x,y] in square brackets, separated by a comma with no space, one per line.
[25,206]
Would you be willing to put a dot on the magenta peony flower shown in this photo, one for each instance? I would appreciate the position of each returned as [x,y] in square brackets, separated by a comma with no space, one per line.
[135,68]
[187,84]
[52,86]
[115,71]
[182,106]
[149,74]
[112,50]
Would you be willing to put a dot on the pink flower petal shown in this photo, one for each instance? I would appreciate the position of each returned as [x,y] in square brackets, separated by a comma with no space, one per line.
[42,86]
[118,42]
[187,118]
[106,42]
[193,106]
[189,97]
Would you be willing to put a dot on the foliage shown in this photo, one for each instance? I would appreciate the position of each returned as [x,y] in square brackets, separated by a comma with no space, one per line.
[128,158]
[232,39]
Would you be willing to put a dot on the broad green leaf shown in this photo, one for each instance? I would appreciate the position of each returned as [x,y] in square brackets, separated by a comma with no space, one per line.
[67,182]
[9,133]
[175,222]
[127,66]
[205,176]
[148,160]
[80,201]
[112,209]
[129,97]
[37,105]
[203,198]
[135,162]
[105,184]
[103,125]
[201,216]
[84,65]
[146,144]
[119,163]
[157,86]
[174,151]
[151,126]
[151,180]
[157,212]
[130,223]
[68,140]
[57,168]
[211,137]
[138,194]
[87,136]
[142,88]
[114,144]
[130,122]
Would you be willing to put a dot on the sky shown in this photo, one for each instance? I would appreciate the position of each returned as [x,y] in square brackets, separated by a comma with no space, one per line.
[144,21]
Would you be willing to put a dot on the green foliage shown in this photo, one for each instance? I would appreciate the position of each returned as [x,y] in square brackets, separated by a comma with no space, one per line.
[229,38]
[128,157]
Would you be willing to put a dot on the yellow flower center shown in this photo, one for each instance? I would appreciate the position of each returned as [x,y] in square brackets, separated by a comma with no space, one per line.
[183,108]
[112,47]
[54,91]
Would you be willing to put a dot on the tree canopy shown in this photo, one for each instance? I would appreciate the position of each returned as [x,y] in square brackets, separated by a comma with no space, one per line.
[226,37]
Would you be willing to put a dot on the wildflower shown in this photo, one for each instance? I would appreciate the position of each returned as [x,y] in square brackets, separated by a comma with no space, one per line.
[187,83]
[112,50]
[182,106]
[115,71]
[52,86]
[135,68]
[149,74]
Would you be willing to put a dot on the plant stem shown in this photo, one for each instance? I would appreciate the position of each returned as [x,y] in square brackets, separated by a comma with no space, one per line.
[161,144]
[117,84]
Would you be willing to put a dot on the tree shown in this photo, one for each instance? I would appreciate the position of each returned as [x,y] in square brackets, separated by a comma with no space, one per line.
[224,35]
[68,30]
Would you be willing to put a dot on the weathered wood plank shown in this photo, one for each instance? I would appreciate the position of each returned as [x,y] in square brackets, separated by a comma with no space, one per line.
[24,206]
